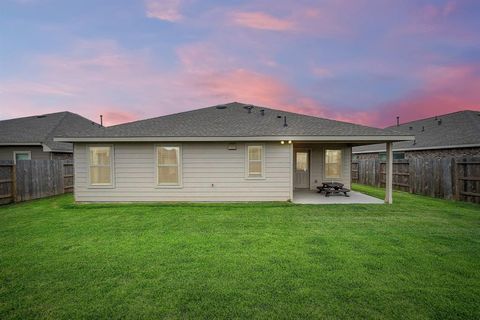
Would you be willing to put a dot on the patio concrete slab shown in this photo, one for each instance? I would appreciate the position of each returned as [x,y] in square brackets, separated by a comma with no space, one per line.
[313,197]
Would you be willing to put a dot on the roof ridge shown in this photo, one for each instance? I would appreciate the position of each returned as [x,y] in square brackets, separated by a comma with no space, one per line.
[172,114]
[432,117]
[247,104]
[50,133]
[36,115]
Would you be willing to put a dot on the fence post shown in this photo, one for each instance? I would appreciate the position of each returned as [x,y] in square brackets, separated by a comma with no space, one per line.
[14,182]
[455,182]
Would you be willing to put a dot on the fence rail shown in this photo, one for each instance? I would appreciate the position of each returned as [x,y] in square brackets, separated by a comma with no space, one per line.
[448,178]
[34,179]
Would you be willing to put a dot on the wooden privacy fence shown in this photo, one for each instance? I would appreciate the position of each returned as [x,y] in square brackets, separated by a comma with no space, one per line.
[448,178]
[33,179]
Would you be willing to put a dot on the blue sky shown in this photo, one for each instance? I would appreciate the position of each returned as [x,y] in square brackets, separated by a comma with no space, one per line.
[360,61]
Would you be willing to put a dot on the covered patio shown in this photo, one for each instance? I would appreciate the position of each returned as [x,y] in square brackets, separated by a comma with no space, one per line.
[313,197]
[315,163]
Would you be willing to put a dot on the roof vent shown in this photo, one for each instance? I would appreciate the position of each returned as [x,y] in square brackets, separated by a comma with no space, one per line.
[42,116]
[249,108]
[285,121]
[411,128]
[423,128]
[439,122]
[262,112]
[279,117]
[221,107]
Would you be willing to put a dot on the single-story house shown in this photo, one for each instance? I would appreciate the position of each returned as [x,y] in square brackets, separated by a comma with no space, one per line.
[230,152]
[31,138]
[455,134]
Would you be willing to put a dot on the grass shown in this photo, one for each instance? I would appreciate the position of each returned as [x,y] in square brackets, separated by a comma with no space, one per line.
[418,258]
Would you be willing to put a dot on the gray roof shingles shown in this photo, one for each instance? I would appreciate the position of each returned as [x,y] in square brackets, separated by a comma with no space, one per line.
[453,129]
[234,120]
[43,128]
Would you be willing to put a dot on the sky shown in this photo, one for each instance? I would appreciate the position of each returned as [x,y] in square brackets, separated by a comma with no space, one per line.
[362,61]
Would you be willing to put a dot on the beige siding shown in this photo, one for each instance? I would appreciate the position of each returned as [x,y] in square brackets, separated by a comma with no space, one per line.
[6,152]
[211,172]
[317,159]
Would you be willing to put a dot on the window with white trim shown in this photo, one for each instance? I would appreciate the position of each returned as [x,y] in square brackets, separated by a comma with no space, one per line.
[333,164]
[169,165]
[101,165]
[21,155]
[255,159]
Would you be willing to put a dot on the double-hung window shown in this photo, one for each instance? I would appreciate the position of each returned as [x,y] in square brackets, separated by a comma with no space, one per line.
[169,165]
[255,161]
[333,164]
[101,165]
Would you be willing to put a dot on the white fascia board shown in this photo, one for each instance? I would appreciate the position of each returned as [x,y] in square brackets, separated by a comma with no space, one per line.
[20,144]
[348,139]
[423,148]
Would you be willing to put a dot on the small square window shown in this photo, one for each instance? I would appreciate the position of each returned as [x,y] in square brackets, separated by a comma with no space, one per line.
[21,155]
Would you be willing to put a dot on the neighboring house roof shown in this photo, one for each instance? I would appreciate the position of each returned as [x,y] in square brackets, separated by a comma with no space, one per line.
[41,129]
[233,121]
[453,130]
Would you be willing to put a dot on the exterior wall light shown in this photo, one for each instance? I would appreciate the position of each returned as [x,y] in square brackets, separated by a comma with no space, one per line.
[282,142]
[289,141]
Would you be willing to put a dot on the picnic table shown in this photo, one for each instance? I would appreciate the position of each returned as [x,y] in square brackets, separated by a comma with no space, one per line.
[333,188]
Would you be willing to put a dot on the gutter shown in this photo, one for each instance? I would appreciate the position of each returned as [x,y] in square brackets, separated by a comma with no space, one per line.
[364,139]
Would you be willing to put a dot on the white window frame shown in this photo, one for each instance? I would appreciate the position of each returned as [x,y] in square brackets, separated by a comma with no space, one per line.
[112,167]
[15,155]
[247,161]
[325,176]
[180,167]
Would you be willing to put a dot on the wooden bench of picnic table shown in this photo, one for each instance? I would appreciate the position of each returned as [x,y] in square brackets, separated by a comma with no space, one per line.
[333,188]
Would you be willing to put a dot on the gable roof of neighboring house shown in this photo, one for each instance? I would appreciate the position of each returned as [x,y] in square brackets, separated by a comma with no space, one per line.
[234,121]
[453,130]
[41,129]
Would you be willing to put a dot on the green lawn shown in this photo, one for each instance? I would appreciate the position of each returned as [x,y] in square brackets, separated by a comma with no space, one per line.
[418,258]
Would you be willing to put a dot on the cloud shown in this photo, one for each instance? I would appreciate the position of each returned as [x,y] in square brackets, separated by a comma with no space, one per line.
[445,89]
[111,116]
[431,11]
[322,72]
[166,10]
[263,21]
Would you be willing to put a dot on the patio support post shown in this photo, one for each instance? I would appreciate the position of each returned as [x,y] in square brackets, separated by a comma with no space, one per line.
[389,174]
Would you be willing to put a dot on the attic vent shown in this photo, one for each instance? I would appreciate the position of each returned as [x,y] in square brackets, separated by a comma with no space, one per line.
[42,116]
[249,108]
[221,107]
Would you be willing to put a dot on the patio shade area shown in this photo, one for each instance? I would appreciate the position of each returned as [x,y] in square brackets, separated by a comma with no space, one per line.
[313,197]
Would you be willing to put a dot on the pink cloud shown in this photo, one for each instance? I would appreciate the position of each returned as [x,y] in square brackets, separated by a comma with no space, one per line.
[111,116]
[123,85]
[263,21]
[445,89]
[431,11]
[167,10]
[322,72]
